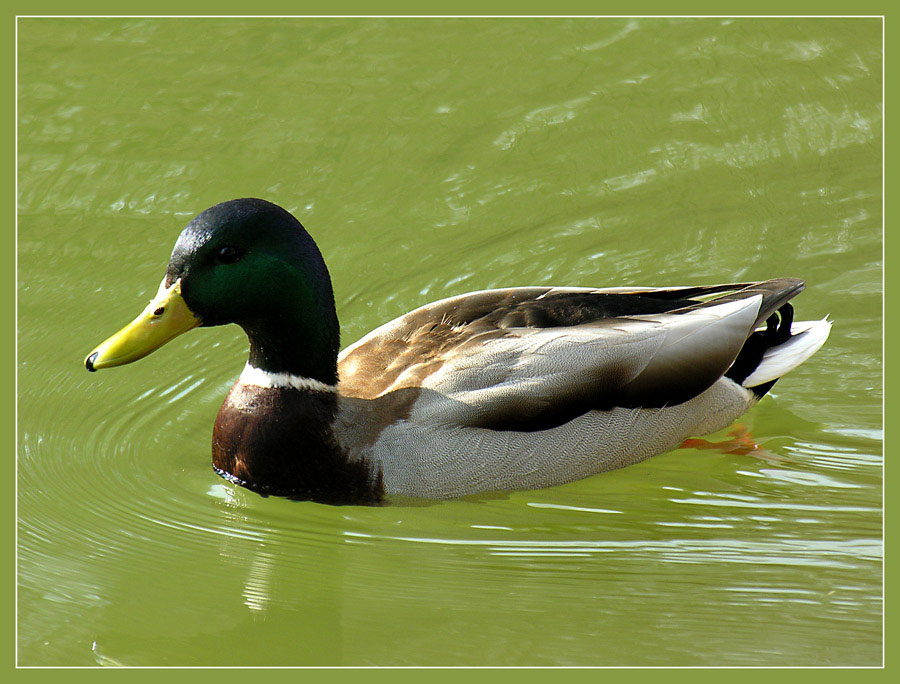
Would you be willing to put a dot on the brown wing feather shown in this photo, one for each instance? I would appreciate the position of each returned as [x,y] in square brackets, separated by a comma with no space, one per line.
[416,344]
[404,352]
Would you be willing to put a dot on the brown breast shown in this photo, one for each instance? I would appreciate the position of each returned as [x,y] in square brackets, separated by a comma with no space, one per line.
[281,441]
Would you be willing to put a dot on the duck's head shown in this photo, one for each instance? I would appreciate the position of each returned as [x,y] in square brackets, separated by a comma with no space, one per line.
[248,262]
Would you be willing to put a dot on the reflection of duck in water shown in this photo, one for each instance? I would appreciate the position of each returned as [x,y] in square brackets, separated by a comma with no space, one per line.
[516,388]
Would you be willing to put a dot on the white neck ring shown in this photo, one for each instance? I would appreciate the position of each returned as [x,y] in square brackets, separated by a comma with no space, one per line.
[261,378]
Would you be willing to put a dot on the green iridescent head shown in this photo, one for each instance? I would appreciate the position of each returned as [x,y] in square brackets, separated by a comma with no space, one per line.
[250,262]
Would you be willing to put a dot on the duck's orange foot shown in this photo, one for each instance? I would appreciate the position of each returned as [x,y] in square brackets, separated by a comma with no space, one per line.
[740,443]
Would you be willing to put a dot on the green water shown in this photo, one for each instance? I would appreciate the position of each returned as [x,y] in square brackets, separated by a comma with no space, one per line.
[430,158]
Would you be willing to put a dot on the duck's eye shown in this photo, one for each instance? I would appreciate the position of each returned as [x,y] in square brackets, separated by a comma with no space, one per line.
[228,255]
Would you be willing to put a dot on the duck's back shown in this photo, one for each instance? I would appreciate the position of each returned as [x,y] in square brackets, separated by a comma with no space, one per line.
[528,387]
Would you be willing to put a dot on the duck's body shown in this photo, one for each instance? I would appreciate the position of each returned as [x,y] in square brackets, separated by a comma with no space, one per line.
[496,390]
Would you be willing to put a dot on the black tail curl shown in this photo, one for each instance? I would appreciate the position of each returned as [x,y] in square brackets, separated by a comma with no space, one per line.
[778,331]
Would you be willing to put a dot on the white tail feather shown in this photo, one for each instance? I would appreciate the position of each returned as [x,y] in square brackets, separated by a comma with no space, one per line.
[806,339]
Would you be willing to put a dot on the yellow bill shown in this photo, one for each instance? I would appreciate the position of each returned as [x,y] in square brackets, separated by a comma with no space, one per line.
[165,318]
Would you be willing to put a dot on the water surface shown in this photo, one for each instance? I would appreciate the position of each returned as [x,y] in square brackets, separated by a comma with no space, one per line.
[429,158]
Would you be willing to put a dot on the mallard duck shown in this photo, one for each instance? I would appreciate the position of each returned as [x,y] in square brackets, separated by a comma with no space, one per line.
[507,389]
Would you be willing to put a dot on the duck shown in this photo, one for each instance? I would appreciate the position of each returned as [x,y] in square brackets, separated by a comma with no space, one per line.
[498,390]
